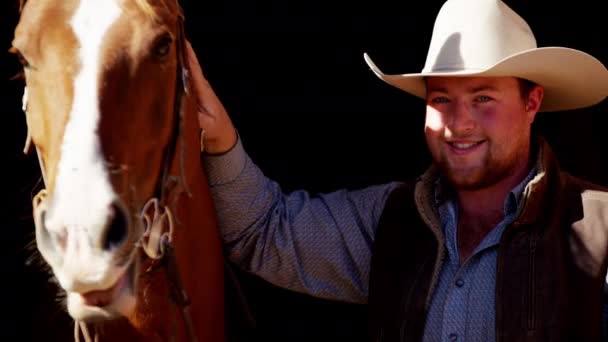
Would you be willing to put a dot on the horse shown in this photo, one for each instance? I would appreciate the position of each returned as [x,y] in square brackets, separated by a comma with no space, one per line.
[125,221]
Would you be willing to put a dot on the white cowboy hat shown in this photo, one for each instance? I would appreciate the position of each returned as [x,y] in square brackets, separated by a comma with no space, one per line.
[487,38]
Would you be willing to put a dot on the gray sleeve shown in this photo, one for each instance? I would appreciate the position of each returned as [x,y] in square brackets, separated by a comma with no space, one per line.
[319,245]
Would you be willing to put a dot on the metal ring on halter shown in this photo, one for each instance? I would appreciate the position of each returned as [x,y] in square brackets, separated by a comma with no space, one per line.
[154,233]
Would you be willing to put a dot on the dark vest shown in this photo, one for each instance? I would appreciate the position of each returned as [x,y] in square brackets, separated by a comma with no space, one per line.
[550,270]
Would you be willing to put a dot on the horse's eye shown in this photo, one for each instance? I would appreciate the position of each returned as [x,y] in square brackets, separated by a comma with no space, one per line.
[162,47]
[20,57]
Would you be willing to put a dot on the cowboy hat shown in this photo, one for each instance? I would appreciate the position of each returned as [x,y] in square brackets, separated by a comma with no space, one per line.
[487,38]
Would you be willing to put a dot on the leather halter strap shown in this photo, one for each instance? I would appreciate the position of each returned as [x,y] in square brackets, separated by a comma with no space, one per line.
[181,88]
[156,240]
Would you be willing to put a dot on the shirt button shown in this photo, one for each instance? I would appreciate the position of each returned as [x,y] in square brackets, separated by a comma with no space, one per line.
[453,337]
[459,282]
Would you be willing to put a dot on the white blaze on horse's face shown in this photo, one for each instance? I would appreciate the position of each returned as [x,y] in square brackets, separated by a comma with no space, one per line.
[84,200]
[83,204]
[100,115]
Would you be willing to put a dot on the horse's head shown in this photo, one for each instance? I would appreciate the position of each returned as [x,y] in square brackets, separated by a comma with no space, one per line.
[100,97]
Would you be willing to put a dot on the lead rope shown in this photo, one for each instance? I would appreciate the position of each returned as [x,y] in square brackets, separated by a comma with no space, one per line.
[80,326]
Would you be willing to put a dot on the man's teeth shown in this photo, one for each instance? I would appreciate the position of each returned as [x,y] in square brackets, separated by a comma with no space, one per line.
[464,145]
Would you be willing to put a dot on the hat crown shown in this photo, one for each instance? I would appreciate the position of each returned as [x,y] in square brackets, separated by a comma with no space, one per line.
[471,35]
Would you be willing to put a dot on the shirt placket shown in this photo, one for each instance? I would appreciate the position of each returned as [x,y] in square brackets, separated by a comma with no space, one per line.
[454,325]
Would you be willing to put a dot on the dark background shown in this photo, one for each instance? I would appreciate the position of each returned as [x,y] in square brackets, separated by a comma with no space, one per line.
[312,115]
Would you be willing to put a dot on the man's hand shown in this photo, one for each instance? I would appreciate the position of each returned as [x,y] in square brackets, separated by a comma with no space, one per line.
[220,134]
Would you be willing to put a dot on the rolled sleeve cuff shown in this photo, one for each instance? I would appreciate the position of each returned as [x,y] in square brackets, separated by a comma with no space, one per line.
[226,167]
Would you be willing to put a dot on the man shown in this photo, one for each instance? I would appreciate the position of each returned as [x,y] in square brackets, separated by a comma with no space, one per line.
[493,242]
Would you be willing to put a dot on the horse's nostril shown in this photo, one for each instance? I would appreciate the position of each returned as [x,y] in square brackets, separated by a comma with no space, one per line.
[117,228]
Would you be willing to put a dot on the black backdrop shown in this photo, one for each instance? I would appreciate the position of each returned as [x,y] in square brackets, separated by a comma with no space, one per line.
[311,115]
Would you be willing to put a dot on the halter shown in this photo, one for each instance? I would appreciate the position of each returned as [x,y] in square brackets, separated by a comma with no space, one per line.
[156,216]
[156,241]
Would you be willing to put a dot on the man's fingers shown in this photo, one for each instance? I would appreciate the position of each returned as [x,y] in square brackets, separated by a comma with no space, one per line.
[206,97]
[196,71]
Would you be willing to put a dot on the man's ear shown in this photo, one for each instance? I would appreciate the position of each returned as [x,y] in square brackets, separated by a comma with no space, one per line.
[535,99]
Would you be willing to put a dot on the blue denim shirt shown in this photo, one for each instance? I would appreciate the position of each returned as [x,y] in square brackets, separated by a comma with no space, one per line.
[321,244]
[462,306]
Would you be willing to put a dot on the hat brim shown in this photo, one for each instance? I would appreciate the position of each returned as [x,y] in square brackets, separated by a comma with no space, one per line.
[571,78]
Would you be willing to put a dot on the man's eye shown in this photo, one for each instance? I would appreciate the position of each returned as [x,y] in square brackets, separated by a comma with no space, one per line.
[439,100]
[483,98]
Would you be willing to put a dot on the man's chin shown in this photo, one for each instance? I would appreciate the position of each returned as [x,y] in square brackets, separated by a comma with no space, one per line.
[472,180]
[466,184]
[459,178]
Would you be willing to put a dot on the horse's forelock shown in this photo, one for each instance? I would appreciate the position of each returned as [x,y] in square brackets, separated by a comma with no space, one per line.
[148,8]
[144,5]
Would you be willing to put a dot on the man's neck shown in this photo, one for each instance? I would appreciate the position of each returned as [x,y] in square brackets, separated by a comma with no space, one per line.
[483,202]
[479,211]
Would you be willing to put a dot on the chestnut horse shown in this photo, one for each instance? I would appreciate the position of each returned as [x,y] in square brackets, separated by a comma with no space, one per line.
[125,222]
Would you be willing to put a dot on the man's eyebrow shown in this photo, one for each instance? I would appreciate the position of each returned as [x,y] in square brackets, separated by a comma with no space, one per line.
[475,89]
[437,89]
[483,88]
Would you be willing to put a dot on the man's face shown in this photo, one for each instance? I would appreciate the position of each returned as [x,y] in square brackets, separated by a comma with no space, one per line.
[478,128]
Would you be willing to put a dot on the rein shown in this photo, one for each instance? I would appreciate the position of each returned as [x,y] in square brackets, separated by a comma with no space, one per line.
[156,216]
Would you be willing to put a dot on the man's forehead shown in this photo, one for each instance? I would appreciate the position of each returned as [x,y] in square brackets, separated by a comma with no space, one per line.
[469,83]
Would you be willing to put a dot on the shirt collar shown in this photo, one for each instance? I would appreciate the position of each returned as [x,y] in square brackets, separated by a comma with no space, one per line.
[444,192]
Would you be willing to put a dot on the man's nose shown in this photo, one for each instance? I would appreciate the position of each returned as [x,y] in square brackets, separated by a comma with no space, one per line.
[461,119]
